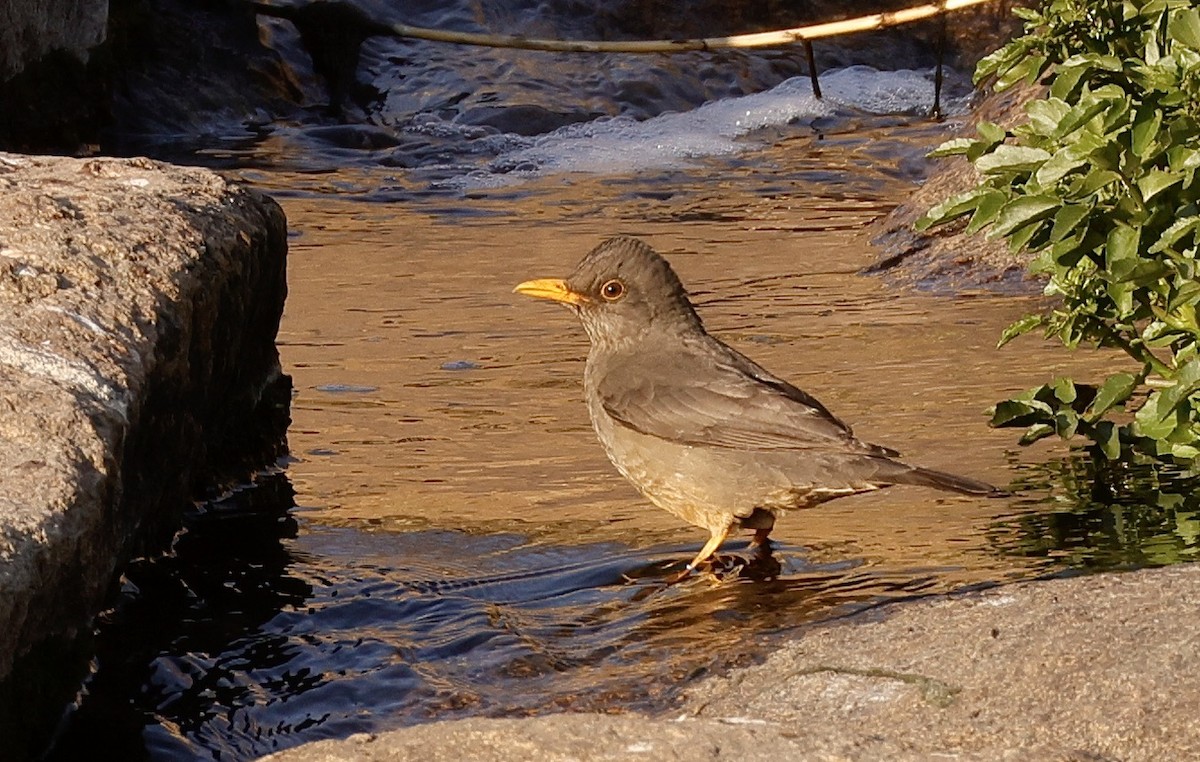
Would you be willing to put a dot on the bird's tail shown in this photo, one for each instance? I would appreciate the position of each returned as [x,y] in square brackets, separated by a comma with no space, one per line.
[927,477]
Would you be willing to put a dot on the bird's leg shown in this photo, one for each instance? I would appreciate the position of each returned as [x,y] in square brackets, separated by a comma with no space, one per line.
[763,566]
[710,547]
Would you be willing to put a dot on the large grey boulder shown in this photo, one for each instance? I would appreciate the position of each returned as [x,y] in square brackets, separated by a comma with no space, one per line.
[139,304]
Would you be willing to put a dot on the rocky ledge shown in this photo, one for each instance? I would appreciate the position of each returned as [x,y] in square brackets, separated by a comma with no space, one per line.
[945,258]
[139,305]
[1087,669]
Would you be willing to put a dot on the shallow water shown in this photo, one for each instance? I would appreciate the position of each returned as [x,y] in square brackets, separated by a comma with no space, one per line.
[449,539]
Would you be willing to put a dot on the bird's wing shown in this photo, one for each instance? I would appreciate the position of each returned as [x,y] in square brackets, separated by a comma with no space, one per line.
[719,398]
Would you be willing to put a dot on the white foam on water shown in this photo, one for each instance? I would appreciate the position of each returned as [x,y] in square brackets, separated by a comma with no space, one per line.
[620,145]
[885,92]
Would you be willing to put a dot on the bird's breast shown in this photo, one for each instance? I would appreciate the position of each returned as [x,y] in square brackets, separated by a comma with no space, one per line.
[701,485]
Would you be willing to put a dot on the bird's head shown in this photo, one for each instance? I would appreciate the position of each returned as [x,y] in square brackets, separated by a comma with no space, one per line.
[621,291]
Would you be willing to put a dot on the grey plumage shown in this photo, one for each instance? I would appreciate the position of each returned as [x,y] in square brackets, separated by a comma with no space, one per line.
[699,428]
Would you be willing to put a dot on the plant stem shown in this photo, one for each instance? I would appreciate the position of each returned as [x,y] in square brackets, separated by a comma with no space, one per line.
[1138,351]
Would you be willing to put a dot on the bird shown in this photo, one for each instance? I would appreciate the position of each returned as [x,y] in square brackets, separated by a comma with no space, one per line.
[700,429]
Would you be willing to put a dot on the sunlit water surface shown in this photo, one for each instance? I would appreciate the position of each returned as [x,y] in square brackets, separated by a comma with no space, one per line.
[449,540]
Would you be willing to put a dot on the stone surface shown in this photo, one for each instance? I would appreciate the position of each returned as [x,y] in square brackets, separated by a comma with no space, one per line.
[139,305]
[1088,668]
[32,29]
[945,257]
[1083,669]
[559,738]
[52,87]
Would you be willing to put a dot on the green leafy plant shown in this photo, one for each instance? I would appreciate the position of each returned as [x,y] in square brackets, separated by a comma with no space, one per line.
[1101,184]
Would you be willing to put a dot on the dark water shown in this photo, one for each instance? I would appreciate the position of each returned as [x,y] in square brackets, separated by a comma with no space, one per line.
[253,635]
[448,540]
[1128,517]
[261,631]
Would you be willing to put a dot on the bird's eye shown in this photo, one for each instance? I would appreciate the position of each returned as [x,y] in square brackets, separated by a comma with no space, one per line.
[612,290]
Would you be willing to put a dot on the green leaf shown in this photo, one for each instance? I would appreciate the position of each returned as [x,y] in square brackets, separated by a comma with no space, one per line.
[1064,389]
[1182,157]
[1145,129]
[1162,78]
[1080,114]
[1140,272]
[1153,52]
[1114,391]
[1159,417]
[953,207]
[1036,432]
[1155,419]
[1066,81]
[1185,28]
[1023,237]
[955,147]
[1185,451]
[1187,354]
[1176,232]
[991,133]
[1159,334]
[1045,114]
[1156,181]
[1121,293]
[1067,218]
[1027,69]
[1103,62]
[1022,326]
[1058,166]
[1121,250]
[1039,397]
[1095,180]
[1021,211]
[1008,158]
[1187,379]
[1066,423]
[1043,263]
[1018,412]
[999,61]
[1186,295]
[1068,252]
[986,210]
[1107,437]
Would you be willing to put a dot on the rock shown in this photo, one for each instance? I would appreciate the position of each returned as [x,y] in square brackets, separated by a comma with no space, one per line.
[139,305]
[1089,668]
[1081,669]
[49,92]
[559,738]
[945,257]
[31,30]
